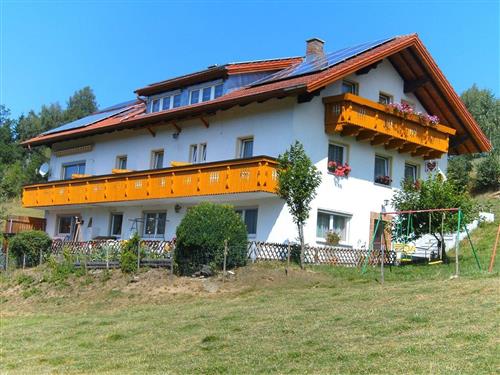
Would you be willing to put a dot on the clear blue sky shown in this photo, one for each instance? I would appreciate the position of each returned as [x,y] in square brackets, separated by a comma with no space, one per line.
[49,49]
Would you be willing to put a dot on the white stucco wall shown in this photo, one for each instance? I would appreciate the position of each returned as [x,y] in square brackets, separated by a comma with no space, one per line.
[274,125]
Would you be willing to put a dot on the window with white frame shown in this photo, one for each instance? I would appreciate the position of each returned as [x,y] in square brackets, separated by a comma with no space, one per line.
[194,96]
[198,153]
[336,153]
[384,98]
[121,162]
[66,225]
[349,87]
[205,94]
[382,171]
[115,227]
[332,222]
[154,224]
[69,169]
[176,101]
[411,172]
[157,159]
[245,147]
[164,102]
[249,217]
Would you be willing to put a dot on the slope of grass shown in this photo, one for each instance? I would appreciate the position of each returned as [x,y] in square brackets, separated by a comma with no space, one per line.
[14,207]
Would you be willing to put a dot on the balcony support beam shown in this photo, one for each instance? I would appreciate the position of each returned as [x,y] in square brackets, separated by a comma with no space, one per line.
[433,155]
[394,144]
[380,139]
[205,122]
[408,148]
[366,135]
[351,131]
[421,151]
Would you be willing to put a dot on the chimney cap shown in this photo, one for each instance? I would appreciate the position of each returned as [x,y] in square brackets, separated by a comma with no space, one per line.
[315,40]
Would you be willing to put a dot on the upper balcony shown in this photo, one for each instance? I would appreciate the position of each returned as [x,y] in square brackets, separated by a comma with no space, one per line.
[257,174]
[351,115]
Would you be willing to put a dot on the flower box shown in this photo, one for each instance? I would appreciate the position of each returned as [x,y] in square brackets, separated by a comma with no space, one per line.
[339,170]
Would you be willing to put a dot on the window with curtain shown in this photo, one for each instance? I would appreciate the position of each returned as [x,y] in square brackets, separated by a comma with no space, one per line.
[249,217]
[336,153]
[154,224]
[70,169]
[331,222]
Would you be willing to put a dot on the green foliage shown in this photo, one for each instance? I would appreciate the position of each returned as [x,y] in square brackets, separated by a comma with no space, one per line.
[485,108]
[488,173]
[298,179]
[30,243]
[201,235]
[61,269]
[25,280]
[433,193]
[128,256]
[459,169]
[19,166]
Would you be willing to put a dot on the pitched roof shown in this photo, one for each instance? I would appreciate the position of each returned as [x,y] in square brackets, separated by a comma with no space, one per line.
[406,53]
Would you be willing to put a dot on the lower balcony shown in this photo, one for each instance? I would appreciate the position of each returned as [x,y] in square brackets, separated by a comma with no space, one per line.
[253,175]
[381,125]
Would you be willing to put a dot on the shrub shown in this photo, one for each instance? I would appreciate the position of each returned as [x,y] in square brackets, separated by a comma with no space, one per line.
[458,171]
[488,173]
[201,235]
[128,256]
[30,243]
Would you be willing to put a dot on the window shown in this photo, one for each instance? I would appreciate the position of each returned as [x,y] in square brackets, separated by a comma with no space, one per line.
[154,224]
[116,224]
[177,101]
[336,153]
[249,217]
[246,148]
[207,94]
[349,87]
[218,91]
[331,222]
[157,159]
[410,172]
[382,170]
[66,225]
[166,103]
[70,169]
[155,107]
[198,153]
[121,162]
[385,98]
[194,97]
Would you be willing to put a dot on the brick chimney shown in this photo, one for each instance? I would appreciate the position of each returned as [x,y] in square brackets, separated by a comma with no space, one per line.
[314,48]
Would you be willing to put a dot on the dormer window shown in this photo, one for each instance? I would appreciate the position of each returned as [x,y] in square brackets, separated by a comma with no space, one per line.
[165,102]
[194,97]
[206,93]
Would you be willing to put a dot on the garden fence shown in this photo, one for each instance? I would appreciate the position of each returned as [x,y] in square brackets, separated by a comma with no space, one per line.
[101,254]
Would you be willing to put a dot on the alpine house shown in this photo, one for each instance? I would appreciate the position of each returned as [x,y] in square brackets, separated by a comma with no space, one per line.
[368,116]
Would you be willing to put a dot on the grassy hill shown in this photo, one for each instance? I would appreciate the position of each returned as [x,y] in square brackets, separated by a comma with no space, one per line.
[321,320]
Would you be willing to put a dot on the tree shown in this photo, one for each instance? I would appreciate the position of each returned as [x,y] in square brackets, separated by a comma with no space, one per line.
[81,104]
[433,193]
[458,172]
[298,180]
[488,173]
[485,108]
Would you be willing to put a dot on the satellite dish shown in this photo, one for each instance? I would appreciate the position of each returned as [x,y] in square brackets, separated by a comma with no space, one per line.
[43,170]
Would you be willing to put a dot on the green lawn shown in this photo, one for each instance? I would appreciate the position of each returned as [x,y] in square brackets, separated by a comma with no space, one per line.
[323,320]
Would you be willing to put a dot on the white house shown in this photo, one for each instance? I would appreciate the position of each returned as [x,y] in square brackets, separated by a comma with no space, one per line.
[214,135]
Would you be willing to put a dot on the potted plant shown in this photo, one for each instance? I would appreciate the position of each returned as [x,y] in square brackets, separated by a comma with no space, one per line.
[332,238]
[384,180]
[339,170]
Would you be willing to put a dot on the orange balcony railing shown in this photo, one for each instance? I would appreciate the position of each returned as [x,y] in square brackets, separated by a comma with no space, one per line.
[352,115]
[257,174]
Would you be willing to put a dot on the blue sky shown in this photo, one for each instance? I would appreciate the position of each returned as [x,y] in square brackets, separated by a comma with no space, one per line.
[49,49]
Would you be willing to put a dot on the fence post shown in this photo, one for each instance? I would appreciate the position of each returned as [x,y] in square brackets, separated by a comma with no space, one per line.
[316,259]
[138,256]
[107,258]
[172,262]
[24,260]
[224,265]
[288,257]
[41,257]
[6,256]
[382,264]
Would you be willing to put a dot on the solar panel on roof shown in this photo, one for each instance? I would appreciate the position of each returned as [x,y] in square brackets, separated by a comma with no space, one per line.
[88,120]
[315,65]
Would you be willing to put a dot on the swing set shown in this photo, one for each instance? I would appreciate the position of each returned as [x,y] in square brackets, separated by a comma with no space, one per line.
[408,232]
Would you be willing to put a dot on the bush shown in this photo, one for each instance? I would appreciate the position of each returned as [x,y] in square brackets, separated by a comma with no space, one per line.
[30,243]
[128,256]
[201,235]
[488,173]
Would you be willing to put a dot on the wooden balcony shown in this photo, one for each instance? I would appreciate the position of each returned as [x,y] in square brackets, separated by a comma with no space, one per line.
[352,115]
[257,174]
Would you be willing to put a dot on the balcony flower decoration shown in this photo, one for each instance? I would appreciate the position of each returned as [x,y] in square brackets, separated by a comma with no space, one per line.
[339,170]
[384,180]
[404,110]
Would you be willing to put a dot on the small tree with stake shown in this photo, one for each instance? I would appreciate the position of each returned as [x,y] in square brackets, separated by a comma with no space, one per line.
[298,180]
[433,193]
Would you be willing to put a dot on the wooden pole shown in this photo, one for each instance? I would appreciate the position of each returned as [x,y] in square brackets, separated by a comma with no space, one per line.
[172,262]
[288,257]
[493,254]
[224,265]
[457,245]
[107,258]
[41,257]
[6,256]
[138,256]
[24,260]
